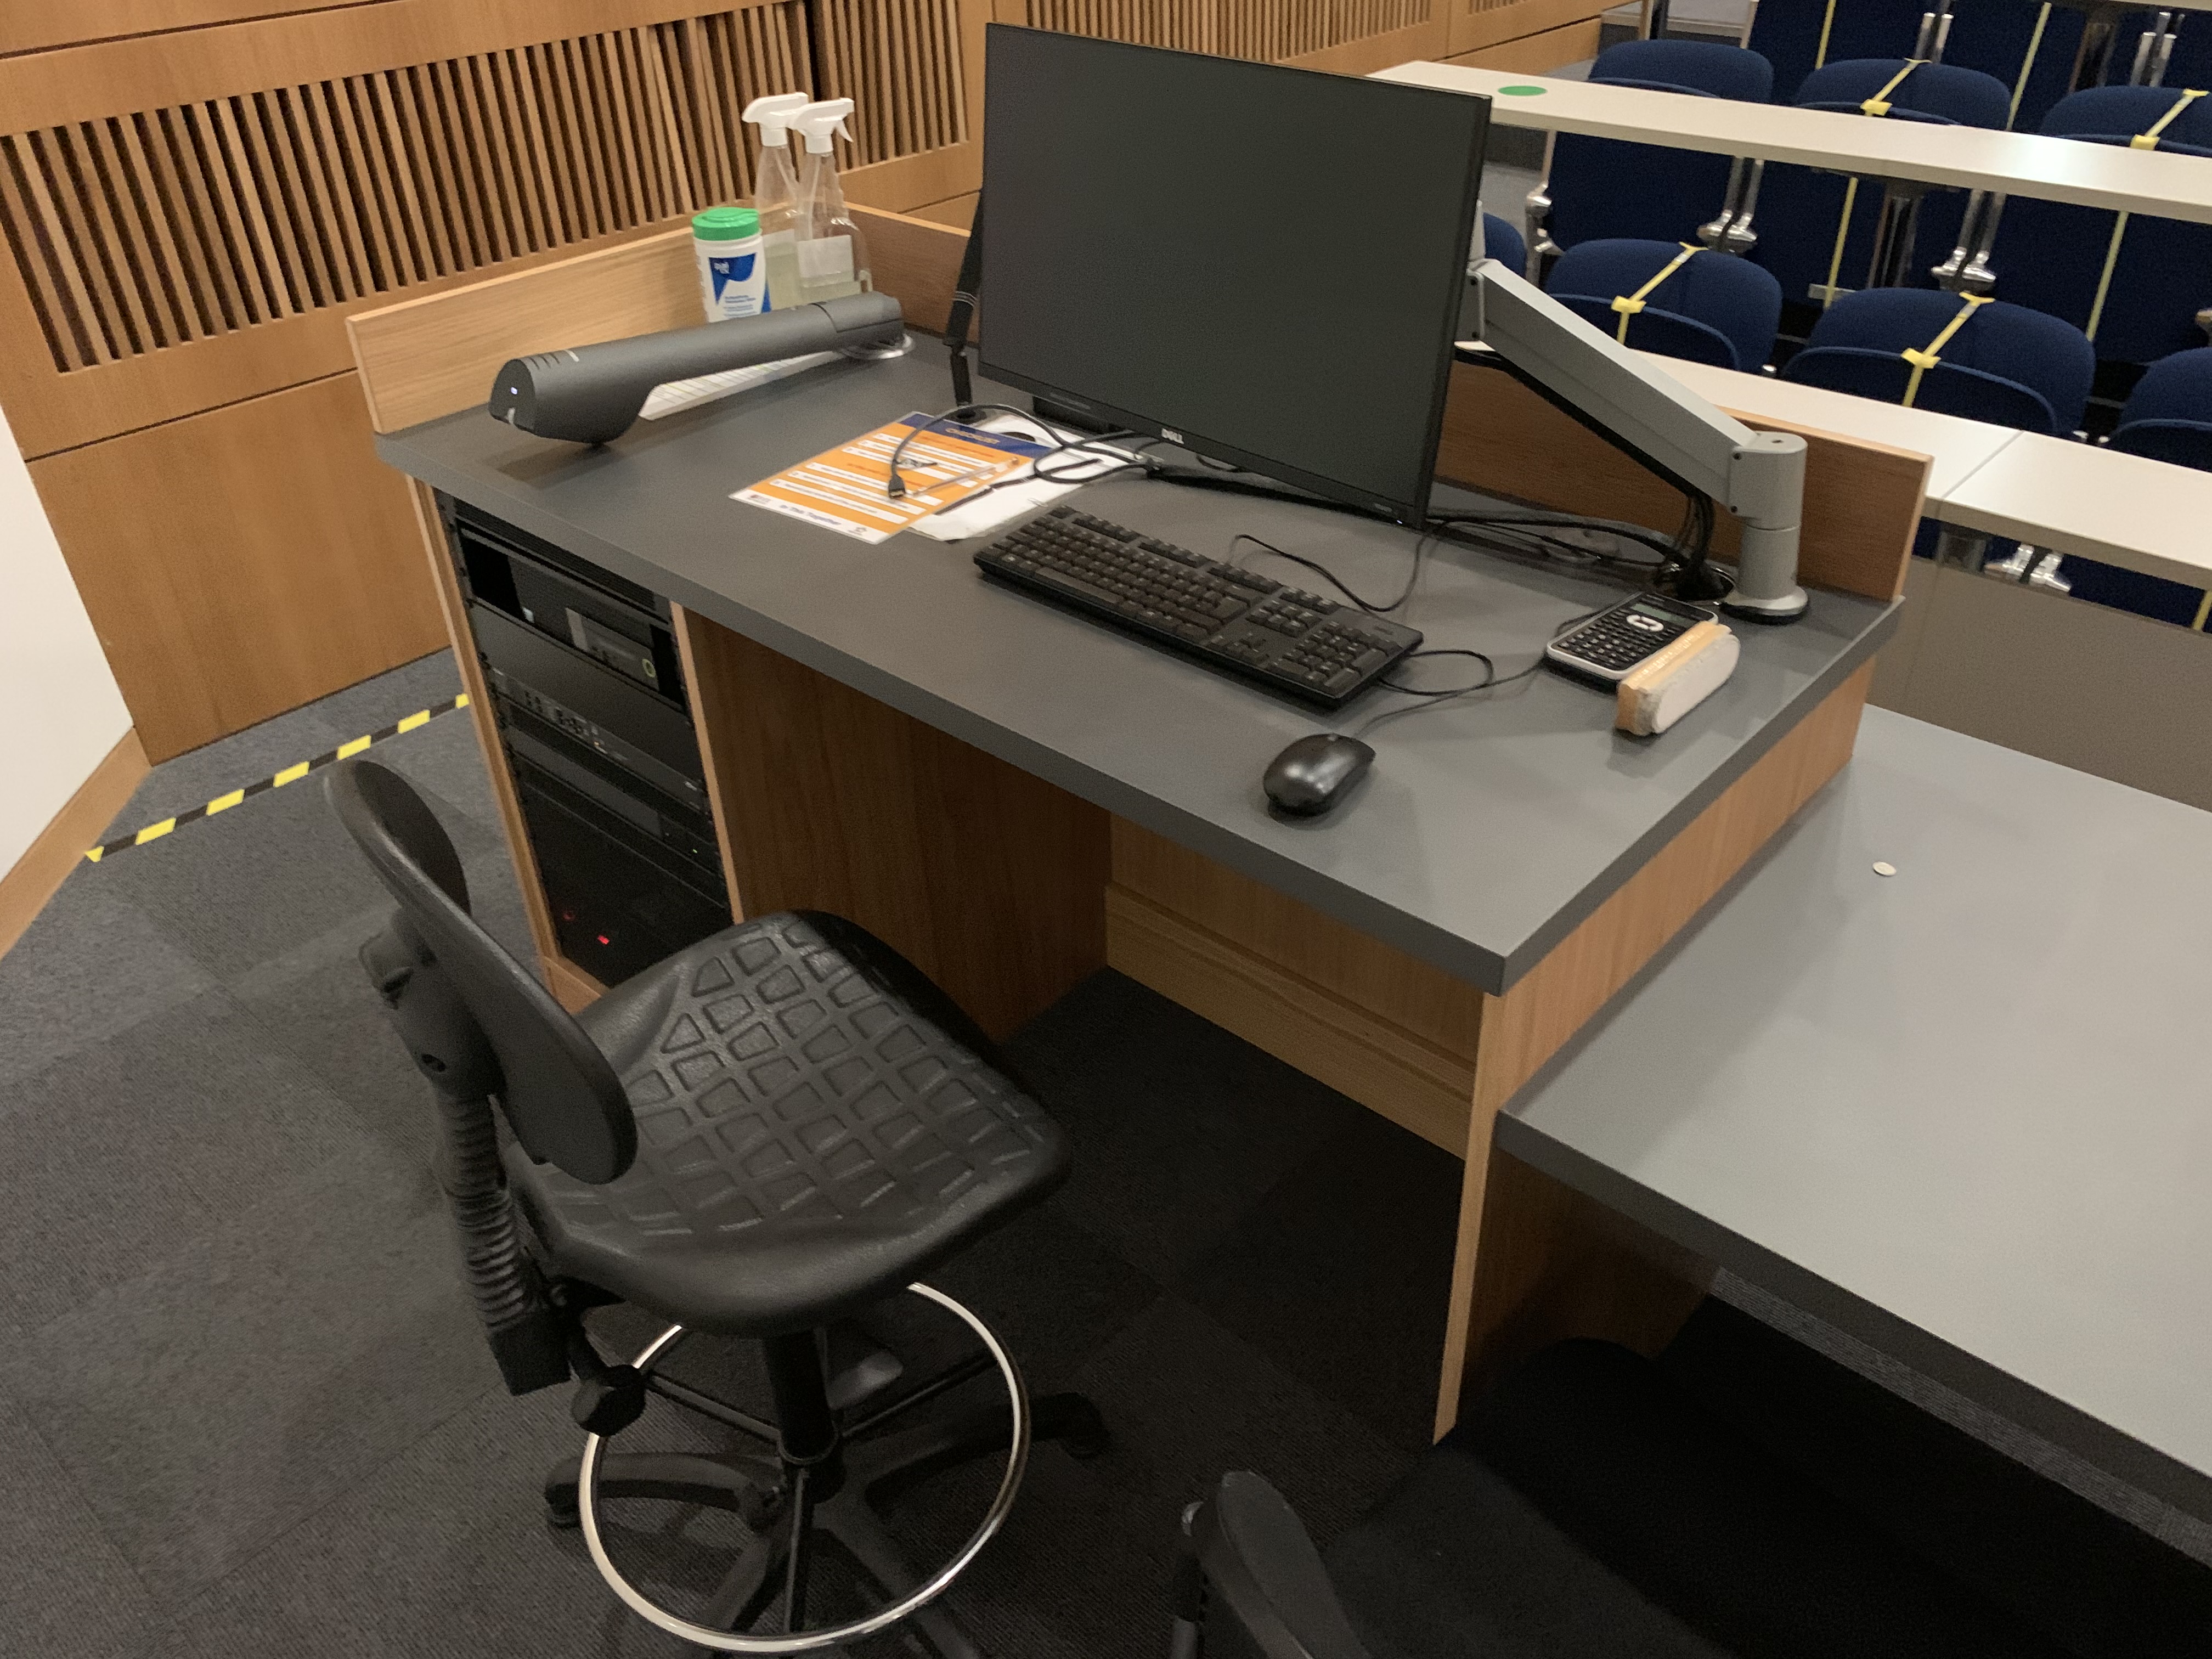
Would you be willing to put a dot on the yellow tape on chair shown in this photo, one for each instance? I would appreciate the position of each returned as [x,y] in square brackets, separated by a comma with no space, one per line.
[2147,138]
[2027,64]
[1827,22]
[1928,356]
[1843,236]
[1879,104]
[1629,304]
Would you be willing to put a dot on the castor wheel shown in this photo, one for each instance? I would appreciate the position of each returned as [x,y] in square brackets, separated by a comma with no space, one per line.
[562,1513]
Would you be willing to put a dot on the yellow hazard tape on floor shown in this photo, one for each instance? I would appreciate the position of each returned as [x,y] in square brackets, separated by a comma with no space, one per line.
[154,832]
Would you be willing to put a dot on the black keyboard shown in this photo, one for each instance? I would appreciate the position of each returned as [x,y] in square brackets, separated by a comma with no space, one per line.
[1229,618]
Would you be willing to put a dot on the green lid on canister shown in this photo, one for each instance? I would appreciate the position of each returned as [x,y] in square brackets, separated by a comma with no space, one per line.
[725,224]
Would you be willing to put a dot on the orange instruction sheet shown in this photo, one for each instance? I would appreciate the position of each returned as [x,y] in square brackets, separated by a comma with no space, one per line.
[844,488]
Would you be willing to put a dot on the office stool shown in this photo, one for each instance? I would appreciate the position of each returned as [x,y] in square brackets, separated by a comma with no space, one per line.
[758,1138]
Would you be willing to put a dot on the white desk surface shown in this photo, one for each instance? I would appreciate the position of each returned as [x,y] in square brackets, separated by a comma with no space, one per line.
[2125,510]
[2018,163]
[2076,498]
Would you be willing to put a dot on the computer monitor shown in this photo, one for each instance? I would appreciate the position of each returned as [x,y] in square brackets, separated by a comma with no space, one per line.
[1266,264]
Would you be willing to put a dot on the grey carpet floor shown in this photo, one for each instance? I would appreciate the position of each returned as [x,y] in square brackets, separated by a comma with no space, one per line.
[243,1407]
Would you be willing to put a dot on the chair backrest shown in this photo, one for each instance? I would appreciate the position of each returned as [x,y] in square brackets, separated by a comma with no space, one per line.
[1502,242]
[1607,188]
[1928,92]
[2133,285]
[2168,416]
[1798,36]
[2000,342]
[2121,112]
[1711,308]
[1712,67]
[2028,46]
[560,1096]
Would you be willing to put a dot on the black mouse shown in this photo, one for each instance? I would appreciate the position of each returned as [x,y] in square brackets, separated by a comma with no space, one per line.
[1315,771]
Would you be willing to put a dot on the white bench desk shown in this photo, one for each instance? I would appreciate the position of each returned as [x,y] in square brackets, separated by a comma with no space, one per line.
[2016,163]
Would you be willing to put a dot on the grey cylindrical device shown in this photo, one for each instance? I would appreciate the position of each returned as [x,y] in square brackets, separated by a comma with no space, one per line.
[590,394]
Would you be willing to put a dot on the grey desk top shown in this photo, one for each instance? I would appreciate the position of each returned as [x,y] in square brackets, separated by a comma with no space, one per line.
[1489,825]
[1962,1112]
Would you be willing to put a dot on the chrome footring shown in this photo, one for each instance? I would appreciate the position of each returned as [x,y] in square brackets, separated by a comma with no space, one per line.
[722,1641]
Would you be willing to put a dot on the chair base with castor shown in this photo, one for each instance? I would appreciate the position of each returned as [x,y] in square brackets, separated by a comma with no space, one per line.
[819,1475]
[756,1138]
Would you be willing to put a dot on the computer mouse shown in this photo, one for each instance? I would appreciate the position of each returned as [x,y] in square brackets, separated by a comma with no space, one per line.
[1315,771]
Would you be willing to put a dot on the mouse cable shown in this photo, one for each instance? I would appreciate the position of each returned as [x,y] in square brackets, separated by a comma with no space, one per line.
[1491,681]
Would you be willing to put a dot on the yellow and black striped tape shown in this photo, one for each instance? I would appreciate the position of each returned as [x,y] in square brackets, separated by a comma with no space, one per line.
[289,775]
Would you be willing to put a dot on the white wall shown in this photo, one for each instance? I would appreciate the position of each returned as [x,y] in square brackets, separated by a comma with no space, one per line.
[60,713]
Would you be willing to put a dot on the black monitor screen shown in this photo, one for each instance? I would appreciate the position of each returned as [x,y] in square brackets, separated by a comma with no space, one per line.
[1265,263]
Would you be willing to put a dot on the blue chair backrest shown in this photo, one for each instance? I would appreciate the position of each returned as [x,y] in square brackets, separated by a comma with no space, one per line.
[1500,241]
[2028,46]
[2053,256]
[1796,36]
[1711,67]
[1612,187]
[2005,362]
[2168,416]
[1931,92]
[2120,113]
[1885,375]
[1710,309]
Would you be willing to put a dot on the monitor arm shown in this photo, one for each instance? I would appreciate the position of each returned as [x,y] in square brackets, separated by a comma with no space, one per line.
[1759,476]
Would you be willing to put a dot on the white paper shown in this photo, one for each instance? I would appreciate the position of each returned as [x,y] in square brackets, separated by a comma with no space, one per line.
[1019,493]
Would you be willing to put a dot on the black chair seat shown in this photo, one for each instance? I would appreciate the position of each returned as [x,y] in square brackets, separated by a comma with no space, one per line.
[818,1127]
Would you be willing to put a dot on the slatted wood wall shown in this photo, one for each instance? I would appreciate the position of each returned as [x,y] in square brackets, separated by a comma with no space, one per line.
[187,216]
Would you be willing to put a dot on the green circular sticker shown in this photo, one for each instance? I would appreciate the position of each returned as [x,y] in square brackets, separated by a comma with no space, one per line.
[1521,92]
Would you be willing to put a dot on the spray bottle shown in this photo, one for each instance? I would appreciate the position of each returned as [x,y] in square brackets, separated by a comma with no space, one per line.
[775,194]
[832,254]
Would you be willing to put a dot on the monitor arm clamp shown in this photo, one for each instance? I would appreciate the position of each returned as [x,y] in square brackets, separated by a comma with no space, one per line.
[1759,476]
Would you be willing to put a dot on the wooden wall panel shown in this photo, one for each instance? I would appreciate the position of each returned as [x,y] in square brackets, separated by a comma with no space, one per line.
[915,68]
[1471,25]
[239,562]
[1266,31]
[169,256]
[39,25]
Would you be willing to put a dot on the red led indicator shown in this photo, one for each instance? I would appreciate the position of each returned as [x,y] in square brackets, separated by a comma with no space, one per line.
[603,939]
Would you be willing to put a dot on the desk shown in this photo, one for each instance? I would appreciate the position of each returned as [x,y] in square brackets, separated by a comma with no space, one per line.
[1959,1112]
[1491,831]
[2016,163]
[1014,797]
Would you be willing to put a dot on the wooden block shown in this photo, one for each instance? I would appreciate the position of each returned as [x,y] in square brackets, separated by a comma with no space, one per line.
[1324,1033]
[990,880]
